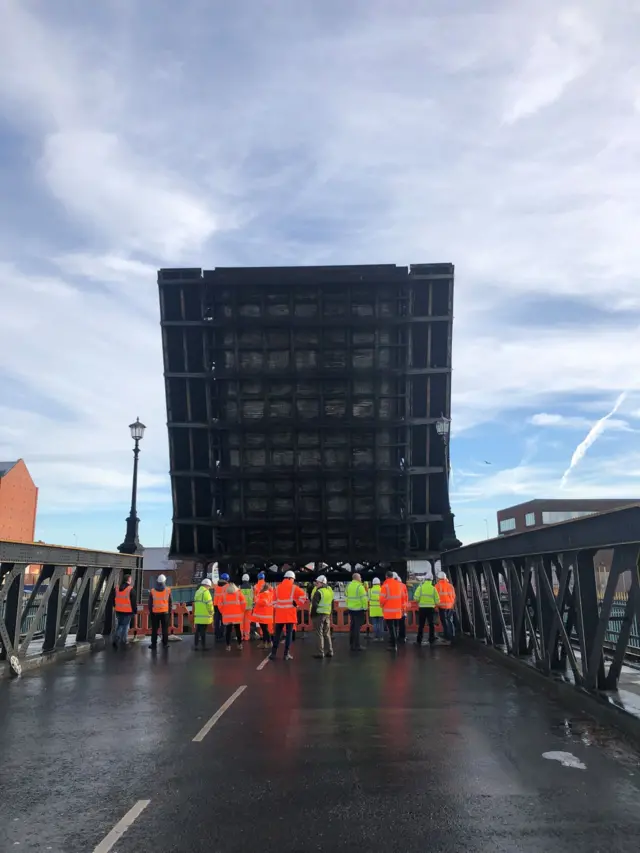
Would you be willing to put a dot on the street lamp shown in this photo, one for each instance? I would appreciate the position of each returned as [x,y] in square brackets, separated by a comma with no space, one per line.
[449,539]
[131,544]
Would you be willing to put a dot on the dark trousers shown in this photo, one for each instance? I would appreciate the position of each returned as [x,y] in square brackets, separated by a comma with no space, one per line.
[402,630]
[393,627]
[266,636]
[356,621]
[426,614]
[228,630]
[159,621]
[446,617]
[281,627]
[218,628]
[201,635]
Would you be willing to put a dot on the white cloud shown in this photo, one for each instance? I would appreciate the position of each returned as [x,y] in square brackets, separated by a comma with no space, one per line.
[260,136]
[560,54]
[545,419]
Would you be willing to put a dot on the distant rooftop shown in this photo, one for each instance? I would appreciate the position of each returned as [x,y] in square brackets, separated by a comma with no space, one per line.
[5,467]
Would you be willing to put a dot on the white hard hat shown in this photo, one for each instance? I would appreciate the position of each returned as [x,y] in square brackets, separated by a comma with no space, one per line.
[290,575]
[321,579]
[442,576]
[162,578]
[429,576]
[206,582]
[396,576]
[375,581]
[245,578]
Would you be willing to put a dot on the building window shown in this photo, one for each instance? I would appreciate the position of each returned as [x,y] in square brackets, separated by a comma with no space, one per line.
[530,519]
[507,524]
[555,517]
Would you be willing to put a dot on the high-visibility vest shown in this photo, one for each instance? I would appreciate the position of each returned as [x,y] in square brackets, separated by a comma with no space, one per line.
[356,596]
[426,595]
[248,596]
[326,601]
[374,601]
[260,585]
[202,606]
[405,598]
[286,593]
[122,602]
[263,607]
[391,599]
[160,600]
[233,607]
[447,594]
[217,595]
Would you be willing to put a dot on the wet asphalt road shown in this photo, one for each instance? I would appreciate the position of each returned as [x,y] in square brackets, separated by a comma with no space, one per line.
[434,750]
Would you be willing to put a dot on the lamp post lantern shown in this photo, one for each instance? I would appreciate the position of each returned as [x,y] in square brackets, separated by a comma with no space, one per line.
[131,544]
[449,539]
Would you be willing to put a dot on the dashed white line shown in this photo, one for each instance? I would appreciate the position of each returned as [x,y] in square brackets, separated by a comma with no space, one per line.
[204,731]
[121,827]
[263,664]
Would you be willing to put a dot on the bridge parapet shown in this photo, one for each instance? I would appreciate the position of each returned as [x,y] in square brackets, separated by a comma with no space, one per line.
[566,595]
[70,594]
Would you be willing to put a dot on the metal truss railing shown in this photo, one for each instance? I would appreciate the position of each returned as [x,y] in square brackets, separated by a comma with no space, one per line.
[536,594]
[71,595]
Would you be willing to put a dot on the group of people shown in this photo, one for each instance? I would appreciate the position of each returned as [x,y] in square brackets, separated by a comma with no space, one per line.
[125,605]
[234,609]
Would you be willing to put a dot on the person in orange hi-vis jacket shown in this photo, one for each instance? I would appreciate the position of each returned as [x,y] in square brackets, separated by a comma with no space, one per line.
[447,593]
[391,602]
[263,613]
[287,596]
[233,607]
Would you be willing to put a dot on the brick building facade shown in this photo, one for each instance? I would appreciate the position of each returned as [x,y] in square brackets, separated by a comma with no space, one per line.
[18,502]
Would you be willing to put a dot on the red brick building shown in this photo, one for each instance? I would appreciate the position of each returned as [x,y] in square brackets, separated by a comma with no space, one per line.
[18,502]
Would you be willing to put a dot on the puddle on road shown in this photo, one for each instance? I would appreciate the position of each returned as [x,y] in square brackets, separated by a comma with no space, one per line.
[588,733]
[567,759]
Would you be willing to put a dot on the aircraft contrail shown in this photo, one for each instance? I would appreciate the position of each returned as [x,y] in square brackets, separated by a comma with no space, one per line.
[593,434]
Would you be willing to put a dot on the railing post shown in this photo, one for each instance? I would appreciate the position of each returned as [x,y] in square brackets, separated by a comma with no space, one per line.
[13,608]
[52,624]
[84,614]
[593,666]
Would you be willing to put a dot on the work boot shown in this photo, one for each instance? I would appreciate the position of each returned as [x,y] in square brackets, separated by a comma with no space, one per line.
[272,656]
[288,656]
[329,655]
[319,656]
[228,648]
[240,646]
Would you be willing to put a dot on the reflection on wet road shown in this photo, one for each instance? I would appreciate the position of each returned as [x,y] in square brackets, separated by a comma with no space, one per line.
[432,750]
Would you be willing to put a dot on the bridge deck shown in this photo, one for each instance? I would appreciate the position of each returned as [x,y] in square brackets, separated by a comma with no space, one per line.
[433,750]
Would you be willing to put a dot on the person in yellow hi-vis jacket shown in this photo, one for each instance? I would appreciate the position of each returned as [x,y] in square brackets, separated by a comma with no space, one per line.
[428,599]
[375,611]
[202,613]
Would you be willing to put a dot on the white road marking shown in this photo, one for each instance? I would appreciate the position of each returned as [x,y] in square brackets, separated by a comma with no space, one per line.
[263,664]
[121,827]
[566,759]
[204,731]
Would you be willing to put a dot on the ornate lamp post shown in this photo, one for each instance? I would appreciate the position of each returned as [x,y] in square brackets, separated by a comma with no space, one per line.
[131,544]
[449,538]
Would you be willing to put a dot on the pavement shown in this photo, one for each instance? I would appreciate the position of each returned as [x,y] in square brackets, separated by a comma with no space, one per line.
[427,750]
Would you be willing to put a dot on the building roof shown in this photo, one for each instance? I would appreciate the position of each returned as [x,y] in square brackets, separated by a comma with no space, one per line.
[5,467]
[572,504]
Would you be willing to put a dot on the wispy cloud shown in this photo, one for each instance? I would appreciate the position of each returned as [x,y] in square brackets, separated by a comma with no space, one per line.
[590,439]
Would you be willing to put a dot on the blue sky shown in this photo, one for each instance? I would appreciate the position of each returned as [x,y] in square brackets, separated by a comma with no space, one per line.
[500,136]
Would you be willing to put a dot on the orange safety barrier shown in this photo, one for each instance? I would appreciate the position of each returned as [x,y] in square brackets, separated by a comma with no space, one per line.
[141,623]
